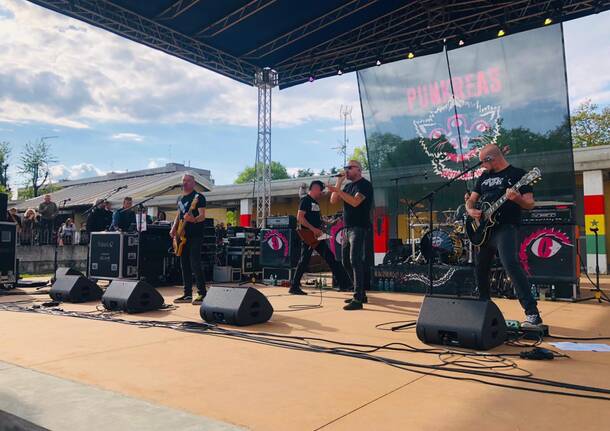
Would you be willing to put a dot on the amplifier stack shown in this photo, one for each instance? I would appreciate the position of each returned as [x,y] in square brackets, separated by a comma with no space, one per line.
[8,254]
[279,247]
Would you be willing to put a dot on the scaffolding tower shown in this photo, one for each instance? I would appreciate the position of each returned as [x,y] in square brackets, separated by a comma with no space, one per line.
[264,80]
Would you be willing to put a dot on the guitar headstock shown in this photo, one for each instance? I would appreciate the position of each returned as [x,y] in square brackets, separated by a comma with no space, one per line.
[532,177]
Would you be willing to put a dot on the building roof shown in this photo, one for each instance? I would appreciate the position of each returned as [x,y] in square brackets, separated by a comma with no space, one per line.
[311,38]
[139,185]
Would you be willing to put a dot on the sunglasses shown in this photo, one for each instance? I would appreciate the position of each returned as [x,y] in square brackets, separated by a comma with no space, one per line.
[347,168]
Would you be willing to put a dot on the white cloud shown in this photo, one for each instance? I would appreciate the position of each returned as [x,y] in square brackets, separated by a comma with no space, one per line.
[156,163]
[74,172]
[61,71]
[133,137]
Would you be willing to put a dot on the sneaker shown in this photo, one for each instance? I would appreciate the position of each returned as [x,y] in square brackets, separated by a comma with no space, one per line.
[532,321]
[353,305]
[198,299]
[183,299]
[364,301]
[296,291]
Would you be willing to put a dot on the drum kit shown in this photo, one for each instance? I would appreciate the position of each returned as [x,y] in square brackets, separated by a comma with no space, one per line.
[446,244]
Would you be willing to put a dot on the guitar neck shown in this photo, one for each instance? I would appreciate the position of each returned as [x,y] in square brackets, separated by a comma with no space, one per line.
[497,204]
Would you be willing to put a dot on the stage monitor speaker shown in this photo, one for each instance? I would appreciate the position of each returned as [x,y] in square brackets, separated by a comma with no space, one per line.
[280,248]
[460,322]
[132,296]
[3,206]
[75,288]
[62,271]
[240,306]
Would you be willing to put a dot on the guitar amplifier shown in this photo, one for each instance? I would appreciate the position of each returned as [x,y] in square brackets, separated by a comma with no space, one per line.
[549,214]
[280,248]
[8,253]
[280,222]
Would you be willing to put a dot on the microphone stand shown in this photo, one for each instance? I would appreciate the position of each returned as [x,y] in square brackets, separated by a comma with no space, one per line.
[109,194]
[62,205]
[430,198]
[598,294]
[404,177]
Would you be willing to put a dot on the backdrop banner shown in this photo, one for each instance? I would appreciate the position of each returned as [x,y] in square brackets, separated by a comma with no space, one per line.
[427,118]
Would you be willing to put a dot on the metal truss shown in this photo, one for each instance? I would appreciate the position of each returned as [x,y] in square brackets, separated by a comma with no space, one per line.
[234,17]
[176,9]
[265,80]
[126,23]
[423,28]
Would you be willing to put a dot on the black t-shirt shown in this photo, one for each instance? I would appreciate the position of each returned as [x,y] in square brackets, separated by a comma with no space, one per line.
[360,215]
[191,230]
[312,211]
[491,186]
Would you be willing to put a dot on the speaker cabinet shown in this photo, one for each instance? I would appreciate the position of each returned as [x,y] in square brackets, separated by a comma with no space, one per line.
[238,306]
[3,206]
[461,322]
[131,296]
[280,248]
[75,288]
[548,253]
[62,271]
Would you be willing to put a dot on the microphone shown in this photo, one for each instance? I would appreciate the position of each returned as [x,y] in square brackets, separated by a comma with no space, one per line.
[120,188]
[337,175]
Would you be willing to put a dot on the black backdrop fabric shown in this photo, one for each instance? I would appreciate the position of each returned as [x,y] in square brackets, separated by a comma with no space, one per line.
[511,91]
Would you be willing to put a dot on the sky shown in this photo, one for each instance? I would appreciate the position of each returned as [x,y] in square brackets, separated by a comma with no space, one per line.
[108,104]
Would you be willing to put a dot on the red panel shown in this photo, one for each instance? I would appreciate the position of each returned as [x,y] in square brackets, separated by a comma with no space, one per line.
[594,204]
[244,220]
[380,233]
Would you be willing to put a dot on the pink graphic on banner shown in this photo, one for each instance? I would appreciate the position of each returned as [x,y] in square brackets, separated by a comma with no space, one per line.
[276,241]
[543,244]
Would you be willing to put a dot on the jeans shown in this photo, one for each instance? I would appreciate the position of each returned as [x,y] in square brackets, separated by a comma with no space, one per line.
[324,251]
[190,261]
[357,254]
[503,239]
[47,226]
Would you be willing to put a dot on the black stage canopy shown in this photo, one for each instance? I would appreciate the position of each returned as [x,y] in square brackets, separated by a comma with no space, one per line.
[309,39]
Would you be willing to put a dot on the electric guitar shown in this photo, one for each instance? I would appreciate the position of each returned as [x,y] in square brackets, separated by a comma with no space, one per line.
[478,230]
[180,238]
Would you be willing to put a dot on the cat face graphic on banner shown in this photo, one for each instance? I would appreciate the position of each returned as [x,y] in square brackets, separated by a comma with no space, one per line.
[542,244]
[452,141]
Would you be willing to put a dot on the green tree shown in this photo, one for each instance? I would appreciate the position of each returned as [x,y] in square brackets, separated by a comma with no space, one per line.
[359,154]
[323,172]
[5,153]
[590,127]
[28,192]
[278,172]
[301,173]
[231,218]
[35,161]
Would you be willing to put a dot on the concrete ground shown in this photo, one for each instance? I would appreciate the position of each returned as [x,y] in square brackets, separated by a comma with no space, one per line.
[64,373]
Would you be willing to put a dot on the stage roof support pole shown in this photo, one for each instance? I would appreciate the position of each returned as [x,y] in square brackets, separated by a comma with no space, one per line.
[264,80]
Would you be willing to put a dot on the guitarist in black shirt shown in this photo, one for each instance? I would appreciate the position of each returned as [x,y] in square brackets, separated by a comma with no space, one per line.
[493,184]
[310,219]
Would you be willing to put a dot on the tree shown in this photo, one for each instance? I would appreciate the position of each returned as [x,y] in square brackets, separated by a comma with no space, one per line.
[28,192]
[359,154]
[278,172]
[35,160]
[590,127]
[333,171]
[231,218]
[5,152]
[301,173]
[323,172]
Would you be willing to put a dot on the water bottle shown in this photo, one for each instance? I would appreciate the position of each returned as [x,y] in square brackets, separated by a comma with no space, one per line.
[553,295]
[391,289]
[534,291]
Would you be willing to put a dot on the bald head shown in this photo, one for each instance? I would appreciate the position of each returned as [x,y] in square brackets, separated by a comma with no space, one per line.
[492,158]
[353,170]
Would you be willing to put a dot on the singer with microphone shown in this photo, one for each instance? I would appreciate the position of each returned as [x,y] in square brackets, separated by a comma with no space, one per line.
[357,197]
[498,180]
[98,218]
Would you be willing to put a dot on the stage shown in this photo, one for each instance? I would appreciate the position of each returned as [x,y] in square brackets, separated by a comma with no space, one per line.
[233,384]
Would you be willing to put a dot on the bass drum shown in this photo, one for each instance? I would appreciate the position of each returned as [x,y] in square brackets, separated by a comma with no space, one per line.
[443,244]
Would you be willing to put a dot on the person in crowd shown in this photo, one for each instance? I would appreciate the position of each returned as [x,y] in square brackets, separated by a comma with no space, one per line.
[14,217]
[357,197]
[125,217]
[310,219]
[48,213]
[28,227]
[190,260]
[161,216]
[108,213]
[66,232]
[97,221]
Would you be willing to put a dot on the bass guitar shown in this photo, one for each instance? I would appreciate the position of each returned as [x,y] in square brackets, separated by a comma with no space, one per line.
[180,238]
[478,230]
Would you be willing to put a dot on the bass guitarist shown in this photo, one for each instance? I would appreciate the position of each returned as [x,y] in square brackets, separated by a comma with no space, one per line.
[190,259]
[493,184]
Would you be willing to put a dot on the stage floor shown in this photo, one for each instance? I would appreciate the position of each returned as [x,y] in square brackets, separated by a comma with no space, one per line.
[253,386]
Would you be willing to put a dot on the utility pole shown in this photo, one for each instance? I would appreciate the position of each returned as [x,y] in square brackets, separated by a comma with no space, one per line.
[345,112]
